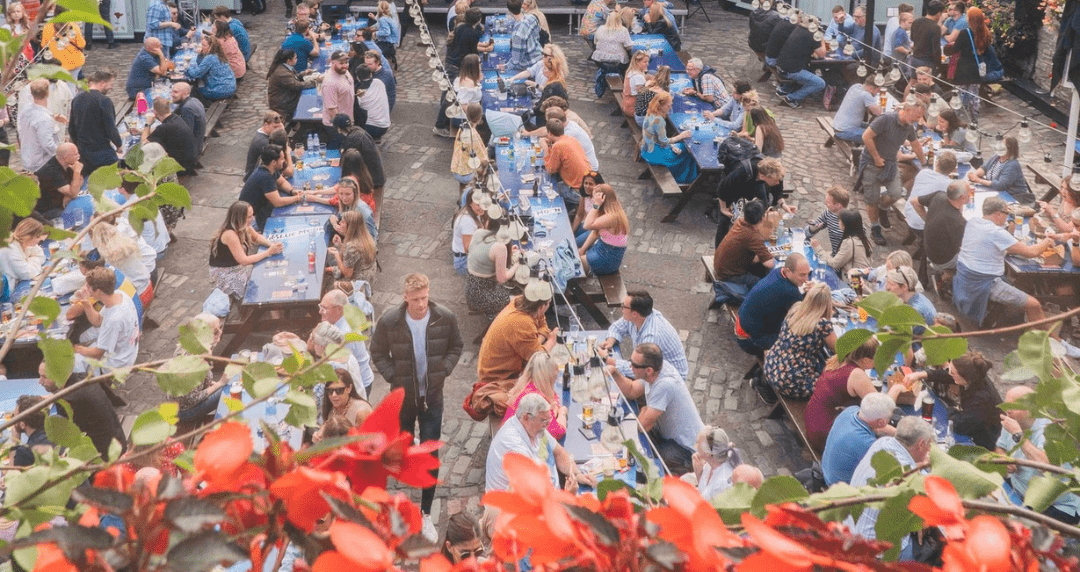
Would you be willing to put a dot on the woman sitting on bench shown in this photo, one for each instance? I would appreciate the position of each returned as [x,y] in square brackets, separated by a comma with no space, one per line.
[659,149]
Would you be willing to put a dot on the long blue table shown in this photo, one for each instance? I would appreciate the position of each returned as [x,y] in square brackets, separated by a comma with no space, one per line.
[327,175]
[12,389]
[491,96]
[285,278]
[661,52]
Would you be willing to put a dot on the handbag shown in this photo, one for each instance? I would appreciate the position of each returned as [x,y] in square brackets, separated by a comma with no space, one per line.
[981,65]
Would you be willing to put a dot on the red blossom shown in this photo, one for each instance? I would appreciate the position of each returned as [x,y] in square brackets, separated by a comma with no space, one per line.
[692,524]
[300,491]
[388,514]
[387,451]
[223,452]
[940,507]
[358,549]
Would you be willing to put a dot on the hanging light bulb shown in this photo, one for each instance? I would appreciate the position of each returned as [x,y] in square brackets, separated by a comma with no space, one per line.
[433,63]
[579,385]
[755,4]
[849,50]
[495,211]
[431,53]
[999,143]
[522,275]
[879,79]
[560,353]
[444,83]
[972,134]
[956,103]
[453,111]
[418,20]
[894,74]
[451,97]
[911,99]
[474,161]
[766,5]
[414,10]
[813,27]
[1025,131]
[782,9]
[537,290]
[598,386]
[793,17]
[861,71]
[612,437]
[818,36]
[426,37]
[834,44]
[436,76]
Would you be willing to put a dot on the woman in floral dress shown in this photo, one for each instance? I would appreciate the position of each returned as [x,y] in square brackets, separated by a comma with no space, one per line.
[806,339]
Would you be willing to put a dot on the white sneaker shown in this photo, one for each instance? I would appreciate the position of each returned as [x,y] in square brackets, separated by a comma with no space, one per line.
[428,529]
[1071,350]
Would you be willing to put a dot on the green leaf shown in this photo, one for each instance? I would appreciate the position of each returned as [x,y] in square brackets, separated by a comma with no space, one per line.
[733,502]
[260,379]
[196,337]
[876,304]
[969,481]
[1033,350]
[134,159]
[139,213]
[941,350]
[62,431]
[886,352]
[165,167]
[837,491]
[45,308]
[609,486]
[22,484]
[79,5]
[169,412]
[1042,491]
[851,340]
[301,409]
[886,468]
[19,193]
[356,319]
[895,521]
[103,179]
[777,490]
[150,428]
[173,194]
[59,359]
[182,374]
[5,224]
[234,405]
[90,18]
[900,315]
[49,71]
[977,456]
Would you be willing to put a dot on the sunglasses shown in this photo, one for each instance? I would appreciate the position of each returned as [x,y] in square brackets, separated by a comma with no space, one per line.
[637,365]
[465,554]
[337,390]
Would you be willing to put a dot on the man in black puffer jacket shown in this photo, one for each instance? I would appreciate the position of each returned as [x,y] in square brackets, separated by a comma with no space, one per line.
[415,346]
[762,23]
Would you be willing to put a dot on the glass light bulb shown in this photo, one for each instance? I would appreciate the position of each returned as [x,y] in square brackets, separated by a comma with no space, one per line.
[956,102]
[879,79]
[781,9]
[818,35]
[972,134]
[911,99]
[755,4]
[793,18]
[766,5]
[861,71]
[834,44]
[451,97]
[414,10]
[1025,132]
[436,76]
[560,353]
[444,84]
[426,37]
[418,20]
[894,74]
[453,111]
[999,143]
[433,63]
[849,49]
[474,162]
[813,27]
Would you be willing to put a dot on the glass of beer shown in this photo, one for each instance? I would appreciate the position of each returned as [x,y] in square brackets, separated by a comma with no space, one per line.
[928,409]
[236,389]
[587,412]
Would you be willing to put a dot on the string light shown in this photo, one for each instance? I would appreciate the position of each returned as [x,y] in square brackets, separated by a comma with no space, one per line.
[999,143]
[861,71]
[1025,132]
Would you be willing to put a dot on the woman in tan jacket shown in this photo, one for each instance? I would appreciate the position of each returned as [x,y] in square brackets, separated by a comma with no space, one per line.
[854,250]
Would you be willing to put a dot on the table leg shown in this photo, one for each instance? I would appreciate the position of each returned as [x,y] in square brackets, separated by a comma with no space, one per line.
[576,294]
[242,329]
[700,184]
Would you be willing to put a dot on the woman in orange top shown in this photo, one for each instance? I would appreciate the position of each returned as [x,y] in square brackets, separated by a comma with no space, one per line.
[65,46]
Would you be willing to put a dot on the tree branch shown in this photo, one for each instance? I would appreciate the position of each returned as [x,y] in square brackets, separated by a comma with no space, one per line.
[1033,464]
[1026,513]
[1004,330]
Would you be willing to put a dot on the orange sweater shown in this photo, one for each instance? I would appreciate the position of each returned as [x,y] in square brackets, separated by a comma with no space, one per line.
[511,340]
[71,55]
[567,158]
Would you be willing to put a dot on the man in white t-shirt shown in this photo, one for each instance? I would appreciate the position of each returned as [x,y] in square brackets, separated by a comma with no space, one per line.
[373,100]
[928,182]
[669,414]
[980,266]
[117,343]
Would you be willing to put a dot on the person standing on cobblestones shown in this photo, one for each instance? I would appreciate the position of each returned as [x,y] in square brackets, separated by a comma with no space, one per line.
[92,126]
[879,174]
[415,346]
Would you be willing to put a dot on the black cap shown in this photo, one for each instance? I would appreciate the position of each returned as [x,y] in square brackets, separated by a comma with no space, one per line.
[342,121]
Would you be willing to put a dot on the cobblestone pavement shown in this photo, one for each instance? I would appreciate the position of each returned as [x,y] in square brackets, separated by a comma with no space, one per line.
[419,204]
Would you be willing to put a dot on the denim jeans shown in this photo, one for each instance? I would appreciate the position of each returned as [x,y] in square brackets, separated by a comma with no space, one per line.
[679,459]
[851,135]
[734,289]
[430,422]
[809,84]
[204,407]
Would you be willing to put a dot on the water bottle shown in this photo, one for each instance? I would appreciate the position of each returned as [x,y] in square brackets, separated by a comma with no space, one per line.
[315,147]
[950,437]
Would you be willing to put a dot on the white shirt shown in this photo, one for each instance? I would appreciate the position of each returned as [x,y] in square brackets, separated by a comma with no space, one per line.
[463,226]
[984,245]
[38,137]
[156,234]
[890,31]
[360,352]
[18,264]
[927,182]
[578,132]
[512,438]
[714,481]
[118,335]
[418,329]
[376,104]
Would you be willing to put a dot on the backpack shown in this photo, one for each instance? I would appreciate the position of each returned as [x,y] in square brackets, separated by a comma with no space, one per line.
[734,150]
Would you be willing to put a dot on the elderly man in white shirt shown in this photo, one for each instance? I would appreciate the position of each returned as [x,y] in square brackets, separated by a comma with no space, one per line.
[332,309]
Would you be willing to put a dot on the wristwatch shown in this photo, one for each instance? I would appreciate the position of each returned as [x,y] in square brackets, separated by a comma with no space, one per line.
[1018,436]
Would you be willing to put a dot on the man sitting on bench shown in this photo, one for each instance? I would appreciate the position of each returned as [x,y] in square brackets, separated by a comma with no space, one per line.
[742,259]
[643,324]
[848,122]
[763,311]
[669,415]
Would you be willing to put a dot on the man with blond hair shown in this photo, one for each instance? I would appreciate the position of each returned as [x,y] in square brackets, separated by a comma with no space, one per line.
[415,346]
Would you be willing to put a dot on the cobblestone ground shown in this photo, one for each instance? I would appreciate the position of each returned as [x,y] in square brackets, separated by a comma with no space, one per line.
[419,204]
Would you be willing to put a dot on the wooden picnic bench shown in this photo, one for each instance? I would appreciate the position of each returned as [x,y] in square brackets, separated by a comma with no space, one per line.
[710,273]
[845,147]
[658,173]
[1047,178]
[796,412]
[592,291]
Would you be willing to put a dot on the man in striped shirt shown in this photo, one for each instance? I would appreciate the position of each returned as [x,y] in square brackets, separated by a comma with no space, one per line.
[642,324]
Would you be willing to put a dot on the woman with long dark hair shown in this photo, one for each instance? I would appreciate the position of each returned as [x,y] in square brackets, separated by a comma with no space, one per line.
[767,136]
[854,251]
[354,255]
[462,540]
[340,398]
[953,132]
[354,167]
[965,385]
[230,48]
[230,263]
[283,84]
[1003,172]
[488,271]
[469,219]
[588,183]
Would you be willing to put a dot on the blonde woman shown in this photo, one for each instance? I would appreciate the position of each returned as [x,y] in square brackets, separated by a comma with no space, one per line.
[714,461]
[613,44]
[387,32]
[530,7]
[122,252]
[539,377]
[603,242]
[659,149]
[634,81]
[23,258]
[354,256]
[797,358]
[468,144]
[660,82]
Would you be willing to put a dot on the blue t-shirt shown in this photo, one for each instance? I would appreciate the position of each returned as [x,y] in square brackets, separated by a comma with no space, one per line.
[302,46]
[763,310]
[924,306]
[960,23]
[849,439]
[140,78]
[900,39]
[261,183]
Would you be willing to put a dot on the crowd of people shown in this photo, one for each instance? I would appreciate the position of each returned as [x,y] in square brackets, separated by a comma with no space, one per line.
[782,317]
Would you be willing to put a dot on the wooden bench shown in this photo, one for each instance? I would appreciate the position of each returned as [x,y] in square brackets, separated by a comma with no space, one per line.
[589,292]
[796,412]
[658,173]
[614,290]
[707,262]
[122,110]
[845,147]
[1047,178]
[213,116]
[614,83]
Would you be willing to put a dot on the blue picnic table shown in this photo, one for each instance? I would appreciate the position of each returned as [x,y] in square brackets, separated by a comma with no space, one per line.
[661,52]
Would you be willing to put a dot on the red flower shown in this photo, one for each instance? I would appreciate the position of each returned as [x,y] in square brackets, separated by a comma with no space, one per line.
[223,452]
[300,491]
[115,478]
[357,549]
[940,507]
[692,524]
[396,516]
[386,452]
